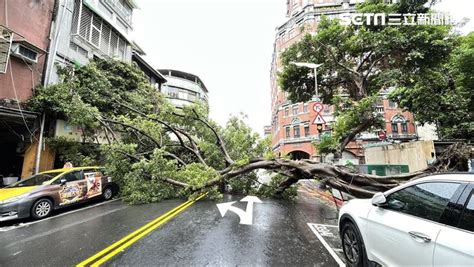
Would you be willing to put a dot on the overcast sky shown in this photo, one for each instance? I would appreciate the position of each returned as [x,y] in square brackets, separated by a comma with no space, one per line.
[229,44]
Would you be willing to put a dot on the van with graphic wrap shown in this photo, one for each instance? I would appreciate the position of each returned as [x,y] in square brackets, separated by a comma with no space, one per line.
[40,194]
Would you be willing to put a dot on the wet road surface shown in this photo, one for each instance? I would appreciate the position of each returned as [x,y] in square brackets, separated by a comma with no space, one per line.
[279,235]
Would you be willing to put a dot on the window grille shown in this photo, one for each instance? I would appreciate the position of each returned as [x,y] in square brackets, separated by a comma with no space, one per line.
[121,48]
[85,23]
[97,32]
[105,39]
[75,17]
[113,44]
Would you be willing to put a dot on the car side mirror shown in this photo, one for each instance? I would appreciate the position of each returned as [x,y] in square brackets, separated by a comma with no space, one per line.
[379,199]
[63,181]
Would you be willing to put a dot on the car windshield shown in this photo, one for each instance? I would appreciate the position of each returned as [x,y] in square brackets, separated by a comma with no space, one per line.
[37,179]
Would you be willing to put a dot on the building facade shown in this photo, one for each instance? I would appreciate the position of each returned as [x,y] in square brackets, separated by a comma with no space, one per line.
[24,40]
[293,126]
[155,78]
[183,88]
[85,29]
[82,30]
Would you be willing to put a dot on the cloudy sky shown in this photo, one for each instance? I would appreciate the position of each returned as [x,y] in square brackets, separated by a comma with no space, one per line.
[229,44]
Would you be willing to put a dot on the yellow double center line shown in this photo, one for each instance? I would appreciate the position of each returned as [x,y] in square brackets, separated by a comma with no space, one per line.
[117,247]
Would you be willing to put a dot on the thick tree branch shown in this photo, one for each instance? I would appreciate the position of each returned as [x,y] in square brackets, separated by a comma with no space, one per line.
[336,61]
[219,141]
[135,129]
[174,182]
[175,131]
[364,125]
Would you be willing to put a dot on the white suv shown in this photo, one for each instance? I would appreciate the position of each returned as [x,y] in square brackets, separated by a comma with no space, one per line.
[424,222]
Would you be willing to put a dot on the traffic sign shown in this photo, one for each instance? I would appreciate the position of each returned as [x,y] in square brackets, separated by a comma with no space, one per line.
[319,120]
[382,135]
[318,107]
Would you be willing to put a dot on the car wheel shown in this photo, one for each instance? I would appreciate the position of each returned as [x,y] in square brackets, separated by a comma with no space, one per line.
[42,208]
[108,193]
[353,246]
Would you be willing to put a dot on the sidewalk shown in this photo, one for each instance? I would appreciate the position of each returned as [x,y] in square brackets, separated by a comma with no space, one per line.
[312,187]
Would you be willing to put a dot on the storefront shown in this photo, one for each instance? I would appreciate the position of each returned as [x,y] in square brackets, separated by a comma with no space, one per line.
[19,131]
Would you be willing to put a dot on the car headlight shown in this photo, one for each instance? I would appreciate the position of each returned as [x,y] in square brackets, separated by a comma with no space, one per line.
[13,199]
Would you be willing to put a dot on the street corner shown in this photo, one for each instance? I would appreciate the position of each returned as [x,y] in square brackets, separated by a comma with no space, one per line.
[329,237]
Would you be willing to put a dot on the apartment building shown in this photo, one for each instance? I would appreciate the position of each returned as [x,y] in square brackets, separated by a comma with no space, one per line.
[24,40]
[183,88]
[84,30]
[293,125]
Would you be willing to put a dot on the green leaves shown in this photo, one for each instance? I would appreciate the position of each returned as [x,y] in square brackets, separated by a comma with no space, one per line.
[155,149]
[442,96]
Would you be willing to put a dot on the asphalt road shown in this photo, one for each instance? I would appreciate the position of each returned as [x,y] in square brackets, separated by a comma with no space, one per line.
[199,235]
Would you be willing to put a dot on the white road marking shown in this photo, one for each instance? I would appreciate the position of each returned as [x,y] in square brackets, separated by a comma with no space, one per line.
[21,225]
[245,216]
[327,225]
[313,228]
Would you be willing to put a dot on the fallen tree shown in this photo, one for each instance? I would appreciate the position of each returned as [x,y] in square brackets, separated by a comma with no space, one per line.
[454,158]
[157,152]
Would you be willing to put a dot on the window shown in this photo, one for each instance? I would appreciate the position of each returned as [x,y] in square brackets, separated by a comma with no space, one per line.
[122,9]
[306,130]
[379,102]
[97,32]
[78,49]
[404,128]
[295,110]
[327,109]
[287,130]
[28,53]
[467,220]
[287,112]
[292,33]
[392,104]
[96,29]
[394,128]
[37,179]
[296,131]
[305,108]
[426,200]
[72,176]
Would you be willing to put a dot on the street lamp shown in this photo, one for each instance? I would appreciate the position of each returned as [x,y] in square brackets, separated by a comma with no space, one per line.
[311,66]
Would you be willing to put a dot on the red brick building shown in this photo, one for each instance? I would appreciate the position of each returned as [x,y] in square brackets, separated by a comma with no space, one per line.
[24,40]
[292,127]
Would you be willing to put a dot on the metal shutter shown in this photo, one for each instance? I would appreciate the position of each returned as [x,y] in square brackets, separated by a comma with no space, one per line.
[95,31]
[113,44]
[105,39]
[121,48]
[86,20]
[75,17]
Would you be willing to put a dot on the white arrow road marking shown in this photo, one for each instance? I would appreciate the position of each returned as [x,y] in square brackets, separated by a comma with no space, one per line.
[245,216]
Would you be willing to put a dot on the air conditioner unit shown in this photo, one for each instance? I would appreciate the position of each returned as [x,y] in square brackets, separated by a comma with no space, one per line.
[24,52]
[6,37]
